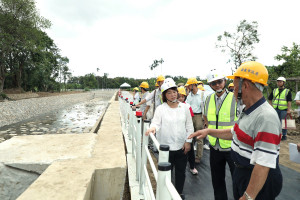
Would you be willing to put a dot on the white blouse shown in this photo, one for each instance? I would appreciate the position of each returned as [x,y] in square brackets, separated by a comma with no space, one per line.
[173,125]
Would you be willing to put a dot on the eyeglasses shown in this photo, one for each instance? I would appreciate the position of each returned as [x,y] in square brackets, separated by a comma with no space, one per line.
[216,82]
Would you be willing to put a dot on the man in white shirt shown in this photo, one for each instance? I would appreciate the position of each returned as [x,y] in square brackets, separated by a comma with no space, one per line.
[155,95]
[297,99]
[136,96]
[196,100]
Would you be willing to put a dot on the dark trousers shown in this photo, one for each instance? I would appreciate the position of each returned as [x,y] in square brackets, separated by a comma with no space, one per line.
[218,160]
[178,160]
[191,155]
[270,190]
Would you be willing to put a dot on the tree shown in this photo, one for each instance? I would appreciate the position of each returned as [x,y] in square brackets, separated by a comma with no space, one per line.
[20,24]
[291,61]
[239,44]
[156,63]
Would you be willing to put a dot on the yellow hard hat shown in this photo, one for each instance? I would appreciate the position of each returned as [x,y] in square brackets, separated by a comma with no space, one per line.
[144,85]
[201,87]
[181,90]
[191,81]
[160,78]
[137,89]
[156,84]
[253,71]
[230,85]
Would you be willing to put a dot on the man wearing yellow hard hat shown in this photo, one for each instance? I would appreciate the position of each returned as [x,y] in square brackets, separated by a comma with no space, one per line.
[155,95]
[196,100]
[136,95]
[144,107]
[255,137]
[231,87]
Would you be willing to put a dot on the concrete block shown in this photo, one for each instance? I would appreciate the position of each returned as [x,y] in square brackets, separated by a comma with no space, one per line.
[44,149]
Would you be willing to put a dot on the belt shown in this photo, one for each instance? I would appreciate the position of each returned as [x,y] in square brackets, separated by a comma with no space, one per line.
[237,165]
[197,113]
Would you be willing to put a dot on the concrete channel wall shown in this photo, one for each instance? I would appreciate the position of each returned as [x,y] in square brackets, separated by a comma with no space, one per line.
[72,166]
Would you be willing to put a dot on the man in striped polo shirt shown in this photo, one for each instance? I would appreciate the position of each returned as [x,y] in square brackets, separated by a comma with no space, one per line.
[256,137]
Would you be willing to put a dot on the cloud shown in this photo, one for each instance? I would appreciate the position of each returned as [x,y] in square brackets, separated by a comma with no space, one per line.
[123,37]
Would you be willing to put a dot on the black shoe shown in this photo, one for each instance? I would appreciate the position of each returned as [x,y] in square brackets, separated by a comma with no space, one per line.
[182,196]
[283,138]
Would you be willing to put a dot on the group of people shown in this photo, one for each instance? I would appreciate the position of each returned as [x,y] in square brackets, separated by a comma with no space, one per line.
[240,126]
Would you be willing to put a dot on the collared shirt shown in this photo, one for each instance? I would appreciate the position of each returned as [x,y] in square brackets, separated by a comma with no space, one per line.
[143,106]
[196,101]
[157,99]
[297,97]
[136,98]
[173,125]
[219,101]
[256,136]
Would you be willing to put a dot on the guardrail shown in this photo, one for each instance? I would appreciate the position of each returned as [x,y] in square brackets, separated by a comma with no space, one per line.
[136,127]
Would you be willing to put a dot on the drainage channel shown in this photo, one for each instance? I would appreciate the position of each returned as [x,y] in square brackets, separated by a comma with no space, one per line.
[79,118]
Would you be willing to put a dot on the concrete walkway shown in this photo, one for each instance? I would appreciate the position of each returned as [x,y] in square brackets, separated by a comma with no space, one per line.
[199,187]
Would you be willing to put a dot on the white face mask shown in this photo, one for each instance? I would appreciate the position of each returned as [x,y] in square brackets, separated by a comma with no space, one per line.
[219,91]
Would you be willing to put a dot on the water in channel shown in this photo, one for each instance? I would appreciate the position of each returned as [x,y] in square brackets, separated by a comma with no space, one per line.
[79,118]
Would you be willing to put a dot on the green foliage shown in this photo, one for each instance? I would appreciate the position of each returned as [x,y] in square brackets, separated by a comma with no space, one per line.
[290,67]
[291,61]
[29,58]
[239,44]
[3,96]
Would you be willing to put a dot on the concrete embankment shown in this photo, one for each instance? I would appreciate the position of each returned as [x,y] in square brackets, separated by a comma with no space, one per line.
[67,166]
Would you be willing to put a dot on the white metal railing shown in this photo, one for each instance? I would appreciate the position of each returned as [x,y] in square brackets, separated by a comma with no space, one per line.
[135,127]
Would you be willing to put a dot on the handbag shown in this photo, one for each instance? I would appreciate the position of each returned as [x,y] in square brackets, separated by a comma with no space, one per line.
[288,123]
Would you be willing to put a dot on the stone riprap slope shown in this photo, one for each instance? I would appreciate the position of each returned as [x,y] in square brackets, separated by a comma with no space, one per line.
[16,111]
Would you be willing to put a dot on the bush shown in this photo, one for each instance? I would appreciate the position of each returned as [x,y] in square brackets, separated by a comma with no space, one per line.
[86,89]
[3,96]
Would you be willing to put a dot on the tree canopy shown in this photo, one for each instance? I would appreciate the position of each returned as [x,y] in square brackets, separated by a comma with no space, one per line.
[29,58]
[239,44]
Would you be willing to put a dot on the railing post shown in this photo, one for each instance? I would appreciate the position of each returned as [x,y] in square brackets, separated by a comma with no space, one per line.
[131,122]
[144,155]
[163,155]
[164,170]
[138,144]
[133,133]
[127,113]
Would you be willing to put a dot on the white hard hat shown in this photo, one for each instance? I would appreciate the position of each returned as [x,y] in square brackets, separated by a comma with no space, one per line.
[215,75]
[281,79]
[168,83]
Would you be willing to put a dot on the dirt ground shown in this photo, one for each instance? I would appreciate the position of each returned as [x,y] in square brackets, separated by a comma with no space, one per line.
[284,157]
[15,94]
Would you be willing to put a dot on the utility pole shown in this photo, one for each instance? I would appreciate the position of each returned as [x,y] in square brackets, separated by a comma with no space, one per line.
[98,69]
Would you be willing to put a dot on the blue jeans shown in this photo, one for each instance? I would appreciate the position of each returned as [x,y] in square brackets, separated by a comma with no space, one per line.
[282,115]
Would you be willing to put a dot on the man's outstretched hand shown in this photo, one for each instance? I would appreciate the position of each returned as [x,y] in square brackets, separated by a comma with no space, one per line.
[200,134]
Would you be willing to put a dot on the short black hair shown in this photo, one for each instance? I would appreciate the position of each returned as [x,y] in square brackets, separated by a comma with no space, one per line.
[164,98]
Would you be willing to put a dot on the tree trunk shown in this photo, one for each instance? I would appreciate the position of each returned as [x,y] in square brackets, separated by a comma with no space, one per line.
[2,77]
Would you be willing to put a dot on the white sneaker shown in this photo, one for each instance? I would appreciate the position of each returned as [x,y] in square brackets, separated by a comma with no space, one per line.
[194,171]
[206,147]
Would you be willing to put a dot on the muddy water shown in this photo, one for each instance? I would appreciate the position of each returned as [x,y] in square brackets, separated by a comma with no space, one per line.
[79,118]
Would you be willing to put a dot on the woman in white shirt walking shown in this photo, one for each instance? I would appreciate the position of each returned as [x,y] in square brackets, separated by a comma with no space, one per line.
[173,122]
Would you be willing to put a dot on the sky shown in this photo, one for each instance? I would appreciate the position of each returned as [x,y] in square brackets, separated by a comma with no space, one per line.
[124,37]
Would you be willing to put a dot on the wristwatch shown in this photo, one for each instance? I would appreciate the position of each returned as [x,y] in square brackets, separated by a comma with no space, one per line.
[247,196]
